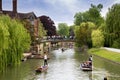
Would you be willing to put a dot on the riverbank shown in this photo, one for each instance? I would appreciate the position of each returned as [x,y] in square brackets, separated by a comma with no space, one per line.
[107,54]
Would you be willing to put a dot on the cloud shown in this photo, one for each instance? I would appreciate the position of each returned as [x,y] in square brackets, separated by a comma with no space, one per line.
[58,10]
[71,5]
[65,9]
[7,4]
[105,8]
[116,1]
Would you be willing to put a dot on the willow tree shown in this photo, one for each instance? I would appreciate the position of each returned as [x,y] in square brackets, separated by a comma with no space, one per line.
[13,42]
[83,34]
[112,28]
[4,39]
[97,38]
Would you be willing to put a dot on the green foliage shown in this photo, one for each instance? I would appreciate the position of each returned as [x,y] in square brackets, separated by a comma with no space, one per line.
[92,15]
[63,29]
[83,34]
[71,30]
[42,31]
[13,42]
[102,27]
[97,38]
[114,56]
[112,28]
[116,43]
[77,36]
[78,18]
[4,34]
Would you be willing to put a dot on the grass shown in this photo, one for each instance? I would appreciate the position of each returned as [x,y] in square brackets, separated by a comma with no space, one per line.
[110,55]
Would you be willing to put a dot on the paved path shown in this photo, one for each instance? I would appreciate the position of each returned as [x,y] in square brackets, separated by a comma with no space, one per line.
[112,49]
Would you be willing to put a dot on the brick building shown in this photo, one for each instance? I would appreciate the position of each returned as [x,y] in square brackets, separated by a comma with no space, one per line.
[30,19]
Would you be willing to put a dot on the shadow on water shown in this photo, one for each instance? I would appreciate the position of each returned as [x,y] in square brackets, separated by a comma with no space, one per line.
[25,71]
[81,56]
[104,68]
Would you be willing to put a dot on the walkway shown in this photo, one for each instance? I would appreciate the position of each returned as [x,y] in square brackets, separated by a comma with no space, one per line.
[112,49]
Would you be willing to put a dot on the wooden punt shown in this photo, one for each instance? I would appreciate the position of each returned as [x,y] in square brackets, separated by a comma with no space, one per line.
[41,68]
[84,68]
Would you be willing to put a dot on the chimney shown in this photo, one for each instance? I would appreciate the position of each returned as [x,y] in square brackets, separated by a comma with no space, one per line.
[15,6]
[0,5]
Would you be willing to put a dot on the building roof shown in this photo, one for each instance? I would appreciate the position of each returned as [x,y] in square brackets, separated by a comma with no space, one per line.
[19,15]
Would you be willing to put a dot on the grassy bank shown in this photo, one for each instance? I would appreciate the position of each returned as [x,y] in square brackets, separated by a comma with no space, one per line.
[110,55]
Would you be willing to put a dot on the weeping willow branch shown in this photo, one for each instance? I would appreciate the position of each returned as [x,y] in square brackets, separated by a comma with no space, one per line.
[14,40]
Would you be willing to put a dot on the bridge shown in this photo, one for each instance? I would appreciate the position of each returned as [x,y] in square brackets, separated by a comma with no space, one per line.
[51,42]
[57,40]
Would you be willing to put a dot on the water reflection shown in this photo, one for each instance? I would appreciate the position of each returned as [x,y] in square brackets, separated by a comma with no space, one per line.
[63,66]
[103,68]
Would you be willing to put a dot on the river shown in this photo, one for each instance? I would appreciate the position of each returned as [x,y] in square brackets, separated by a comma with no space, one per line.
[63,66]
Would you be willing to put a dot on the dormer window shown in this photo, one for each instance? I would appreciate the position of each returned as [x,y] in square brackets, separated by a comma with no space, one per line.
[31,18]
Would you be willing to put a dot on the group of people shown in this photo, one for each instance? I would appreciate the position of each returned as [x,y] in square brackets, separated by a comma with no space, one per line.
[88,64]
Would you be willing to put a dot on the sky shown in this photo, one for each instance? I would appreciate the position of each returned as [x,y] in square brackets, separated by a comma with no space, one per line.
[60,11]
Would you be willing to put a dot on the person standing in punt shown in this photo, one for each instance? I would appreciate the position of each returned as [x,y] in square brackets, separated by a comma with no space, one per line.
[90,58]
[45,58]
[90,61]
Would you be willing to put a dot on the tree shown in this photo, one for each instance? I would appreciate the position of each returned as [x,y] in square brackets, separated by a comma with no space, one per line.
[83,34]
[63,29]
[71,31]
[78,18]
[112,28]
[92,15]
[14,41]
[97,38]
[48,25]
[95,15]
[41,30]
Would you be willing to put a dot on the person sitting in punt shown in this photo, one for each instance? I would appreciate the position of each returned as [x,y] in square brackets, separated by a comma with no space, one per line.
[87,64]
[105,78]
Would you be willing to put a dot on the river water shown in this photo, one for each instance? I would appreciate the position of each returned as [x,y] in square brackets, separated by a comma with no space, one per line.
[63,66]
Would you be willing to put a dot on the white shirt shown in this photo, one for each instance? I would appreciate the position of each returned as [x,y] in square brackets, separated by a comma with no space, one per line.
[45,56]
